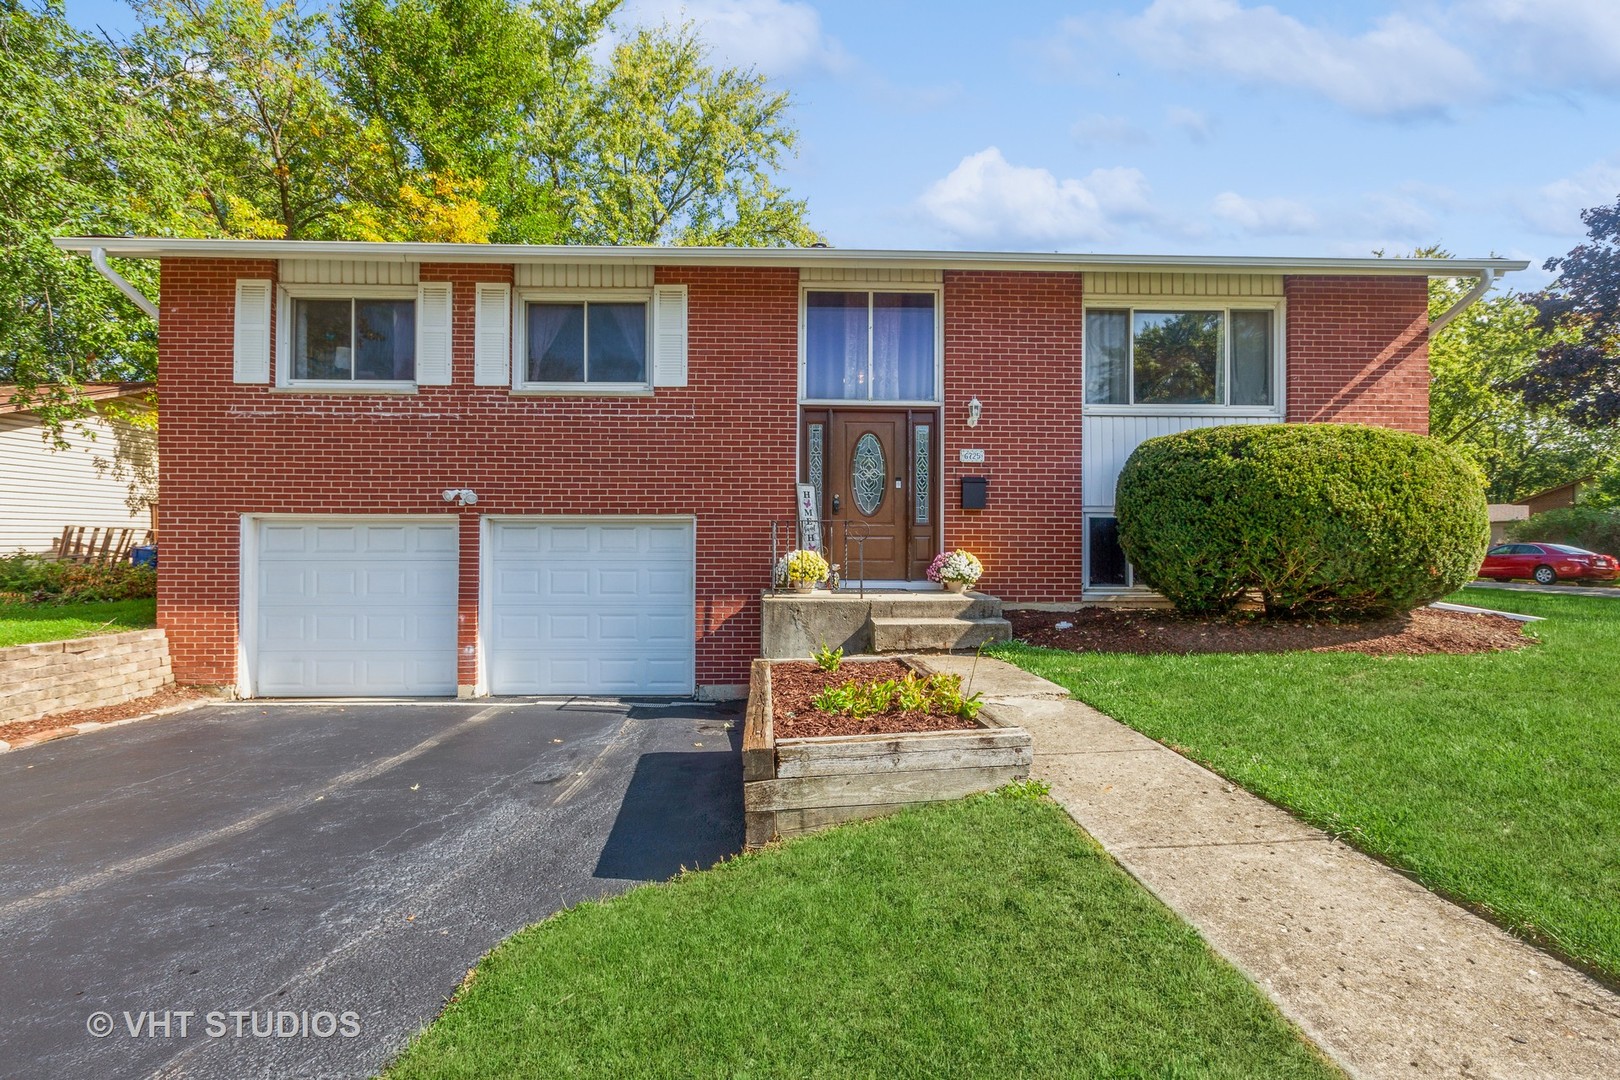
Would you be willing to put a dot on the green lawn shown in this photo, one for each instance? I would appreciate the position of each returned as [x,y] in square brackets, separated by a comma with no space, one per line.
[21,624]
[988,937]
[1493,778]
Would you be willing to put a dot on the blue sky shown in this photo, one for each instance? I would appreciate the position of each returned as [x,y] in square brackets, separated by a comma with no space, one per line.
[1183,126]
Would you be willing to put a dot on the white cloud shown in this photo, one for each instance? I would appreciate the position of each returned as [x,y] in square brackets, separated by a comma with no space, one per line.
[1264,217]
[1555,208]
[779,37]
[1426,57]
[1098,128]
[1194,124]
[1399,66]
[986,198]
[1552,44]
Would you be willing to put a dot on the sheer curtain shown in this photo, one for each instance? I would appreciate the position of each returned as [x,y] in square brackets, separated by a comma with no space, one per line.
[556,343]
[1107,358]
[618,343]
[835,346]
[903,346]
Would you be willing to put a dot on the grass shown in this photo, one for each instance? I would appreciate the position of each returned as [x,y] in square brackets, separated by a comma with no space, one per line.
[22,624]
[988,937]
[1491,778]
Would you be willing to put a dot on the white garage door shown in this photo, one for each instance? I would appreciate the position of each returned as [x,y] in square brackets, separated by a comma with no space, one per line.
[596,607]
[348,609]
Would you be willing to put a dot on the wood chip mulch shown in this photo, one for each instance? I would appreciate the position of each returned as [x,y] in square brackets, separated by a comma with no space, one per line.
[103,714]
[1425,631]
[795,683]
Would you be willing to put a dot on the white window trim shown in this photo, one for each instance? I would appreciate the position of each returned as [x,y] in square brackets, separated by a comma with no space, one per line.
[869,287]
[1226,304]
[520,343]
[286,294]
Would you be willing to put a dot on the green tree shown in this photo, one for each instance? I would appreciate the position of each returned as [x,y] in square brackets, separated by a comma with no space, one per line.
[243,85]
[655,146]
[80,153]
[1475,405]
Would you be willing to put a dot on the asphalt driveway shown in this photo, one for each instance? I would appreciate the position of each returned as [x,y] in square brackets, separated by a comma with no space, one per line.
[269,869]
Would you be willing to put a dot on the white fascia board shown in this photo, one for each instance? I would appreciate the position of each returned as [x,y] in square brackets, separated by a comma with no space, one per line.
[157,247]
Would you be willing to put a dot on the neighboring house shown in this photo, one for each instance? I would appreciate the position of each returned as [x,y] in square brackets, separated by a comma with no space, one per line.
[1554,498]
[106,476]
[1561,497]
[630,420]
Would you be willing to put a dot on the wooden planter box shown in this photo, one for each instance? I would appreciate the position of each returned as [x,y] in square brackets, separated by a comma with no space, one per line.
[794,786]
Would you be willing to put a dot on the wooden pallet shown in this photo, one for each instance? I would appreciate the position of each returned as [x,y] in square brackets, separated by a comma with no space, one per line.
[101,546]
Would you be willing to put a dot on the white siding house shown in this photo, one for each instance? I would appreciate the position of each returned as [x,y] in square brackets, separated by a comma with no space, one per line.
[109,480]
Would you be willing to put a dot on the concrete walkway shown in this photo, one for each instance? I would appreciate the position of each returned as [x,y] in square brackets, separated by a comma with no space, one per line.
[1608,592]
[1386,977]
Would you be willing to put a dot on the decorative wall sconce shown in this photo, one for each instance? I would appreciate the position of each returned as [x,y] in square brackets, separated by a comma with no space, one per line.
[461,496]
[975,410]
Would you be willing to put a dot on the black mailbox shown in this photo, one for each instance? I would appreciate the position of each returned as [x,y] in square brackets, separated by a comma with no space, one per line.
[975,492]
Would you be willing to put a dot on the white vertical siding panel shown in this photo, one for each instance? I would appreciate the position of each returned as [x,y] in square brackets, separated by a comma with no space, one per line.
[1107,441]
[347,272]
[582,276]
[1100,284]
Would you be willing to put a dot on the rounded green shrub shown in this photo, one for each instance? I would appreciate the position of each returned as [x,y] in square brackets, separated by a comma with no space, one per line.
[1315,518]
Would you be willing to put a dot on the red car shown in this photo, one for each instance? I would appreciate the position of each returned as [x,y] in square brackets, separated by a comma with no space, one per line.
[1547,563]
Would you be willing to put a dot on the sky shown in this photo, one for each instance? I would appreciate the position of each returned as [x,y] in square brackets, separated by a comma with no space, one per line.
[1182,126]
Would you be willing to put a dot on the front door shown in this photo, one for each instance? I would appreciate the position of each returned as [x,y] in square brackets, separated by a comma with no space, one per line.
[867,485]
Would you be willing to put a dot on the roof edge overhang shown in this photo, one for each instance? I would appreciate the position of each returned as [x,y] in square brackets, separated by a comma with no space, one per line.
[134,247]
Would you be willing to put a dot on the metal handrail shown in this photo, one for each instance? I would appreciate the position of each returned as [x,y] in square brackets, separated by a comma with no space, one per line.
[857,531]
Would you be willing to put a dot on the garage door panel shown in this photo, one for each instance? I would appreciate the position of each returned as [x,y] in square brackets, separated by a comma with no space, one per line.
[350,608]
[613,613]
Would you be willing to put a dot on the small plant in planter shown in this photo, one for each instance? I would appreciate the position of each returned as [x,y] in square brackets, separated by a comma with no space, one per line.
[801,569]
[828,659]
[955,570]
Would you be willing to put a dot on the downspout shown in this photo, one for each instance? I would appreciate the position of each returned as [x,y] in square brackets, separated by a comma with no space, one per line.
[1487,278]
[98,259]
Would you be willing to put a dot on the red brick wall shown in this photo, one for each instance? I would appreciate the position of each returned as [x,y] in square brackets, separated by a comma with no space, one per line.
[1358,350]
[1013,340]
[721,449]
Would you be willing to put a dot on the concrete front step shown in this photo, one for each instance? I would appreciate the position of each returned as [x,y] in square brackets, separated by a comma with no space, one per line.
[934,605]
[936,634]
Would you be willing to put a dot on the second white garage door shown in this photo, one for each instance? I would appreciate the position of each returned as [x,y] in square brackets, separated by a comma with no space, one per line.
[597,607]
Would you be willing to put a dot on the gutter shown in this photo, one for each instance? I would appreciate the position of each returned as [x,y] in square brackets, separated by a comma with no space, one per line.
[98,259]
[418,252]
[1487,278]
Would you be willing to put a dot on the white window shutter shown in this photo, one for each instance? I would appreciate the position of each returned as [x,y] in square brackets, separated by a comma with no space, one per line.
[433,334]
[251,348]
[669,335]
[492,339]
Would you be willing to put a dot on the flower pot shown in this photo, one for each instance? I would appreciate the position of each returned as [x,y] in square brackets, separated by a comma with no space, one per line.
[954,586]
[801,586]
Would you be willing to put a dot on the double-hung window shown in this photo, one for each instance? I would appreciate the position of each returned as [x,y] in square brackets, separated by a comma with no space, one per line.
[595,343]
[1161,355]
[871,346]
[352,340]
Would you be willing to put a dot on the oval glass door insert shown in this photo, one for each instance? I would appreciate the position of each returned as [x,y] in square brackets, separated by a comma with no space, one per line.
[868,472]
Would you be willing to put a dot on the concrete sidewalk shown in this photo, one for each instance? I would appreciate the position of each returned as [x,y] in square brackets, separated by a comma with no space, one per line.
[1386,977]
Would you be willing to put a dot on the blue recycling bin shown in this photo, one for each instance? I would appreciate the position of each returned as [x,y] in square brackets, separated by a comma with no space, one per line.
[144,555]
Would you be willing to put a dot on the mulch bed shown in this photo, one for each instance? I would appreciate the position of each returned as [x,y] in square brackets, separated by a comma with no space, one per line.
[103,714]
[1422,632]
[795,683]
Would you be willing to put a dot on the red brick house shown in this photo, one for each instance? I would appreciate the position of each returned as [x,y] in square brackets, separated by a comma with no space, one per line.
[437,468]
